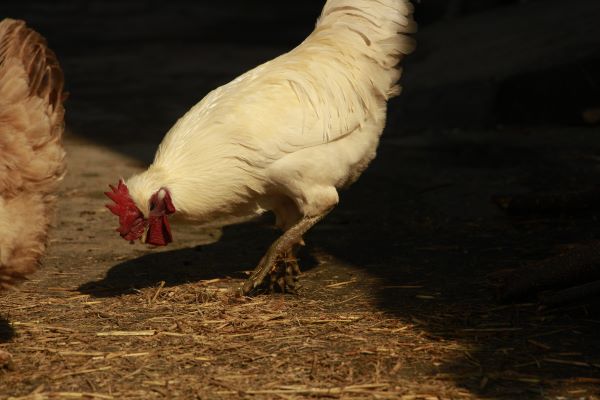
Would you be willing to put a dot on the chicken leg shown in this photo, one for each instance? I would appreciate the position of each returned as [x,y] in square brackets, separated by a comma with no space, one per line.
[276,261]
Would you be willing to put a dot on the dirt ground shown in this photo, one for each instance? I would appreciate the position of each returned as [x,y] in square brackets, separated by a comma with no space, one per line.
[397,300]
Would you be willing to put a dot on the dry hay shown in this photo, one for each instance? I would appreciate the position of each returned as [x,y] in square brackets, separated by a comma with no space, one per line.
[199,340]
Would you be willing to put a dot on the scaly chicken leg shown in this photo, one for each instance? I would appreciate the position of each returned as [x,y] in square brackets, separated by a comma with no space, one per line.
[275,261]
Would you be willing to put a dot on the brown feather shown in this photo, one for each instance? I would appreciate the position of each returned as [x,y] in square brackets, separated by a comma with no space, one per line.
[32,158]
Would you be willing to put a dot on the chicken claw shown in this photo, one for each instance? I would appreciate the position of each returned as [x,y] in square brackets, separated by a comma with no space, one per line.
[281,268]
[285,274]
[277,263]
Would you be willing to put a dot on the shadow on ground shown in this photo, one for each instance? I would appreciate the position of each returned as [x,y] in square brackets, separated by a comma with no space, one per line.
[237,252]
[438,247]
[6,330]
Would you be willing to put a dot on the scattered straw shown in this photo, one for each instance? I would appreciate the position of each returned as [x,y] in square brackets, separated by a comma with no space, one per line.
[150,332]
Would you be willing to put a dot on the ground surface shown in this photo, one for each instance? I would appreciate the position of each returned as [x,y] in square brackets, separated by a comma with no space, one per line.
[397,300]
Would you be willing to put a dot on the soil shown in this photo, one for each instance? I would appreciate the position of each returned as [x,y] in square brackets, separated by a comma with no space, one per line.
[397,297]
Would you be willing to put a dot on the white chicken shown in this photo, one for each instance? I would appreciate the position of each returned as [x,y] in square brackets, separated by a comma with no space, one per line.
[283,137]
[32,158]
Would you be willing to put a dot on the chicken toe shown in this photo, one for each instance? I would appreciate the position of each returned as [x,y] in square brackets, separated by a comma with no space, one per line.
[277,261]
[284,276]
[277,271]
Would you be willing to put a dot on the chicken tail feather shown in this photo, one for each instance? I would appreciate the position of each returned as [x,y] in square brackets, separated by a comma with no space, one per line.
[378,30]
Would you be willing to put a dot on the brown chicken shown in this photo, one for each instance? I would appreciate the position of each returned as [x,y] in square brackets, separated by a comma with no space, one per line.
[32,158]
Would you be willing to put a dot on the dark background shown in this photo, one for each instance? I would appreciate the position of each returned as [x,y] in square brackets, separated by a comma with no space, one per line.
[133,67]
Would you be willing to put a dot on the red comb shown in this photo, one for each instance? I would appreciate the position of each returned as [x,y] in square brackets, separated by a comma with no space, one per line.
[120,195]
[131,219]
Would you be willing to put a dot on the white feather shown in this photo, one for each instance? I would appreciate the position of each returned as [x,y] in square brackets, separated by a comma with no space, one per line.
[287,134]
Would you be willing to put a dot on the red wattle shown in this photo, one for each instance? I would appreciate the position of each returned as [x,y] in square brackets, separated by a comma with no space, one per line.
[159,231]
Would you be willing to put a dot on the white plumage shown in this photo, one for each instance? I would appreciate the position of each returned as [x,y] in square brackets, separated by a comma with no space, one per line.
[286,135]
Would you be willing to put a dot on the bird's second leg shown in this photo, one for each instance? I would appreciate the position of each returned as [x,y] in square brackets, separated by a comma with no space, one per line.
[277,261]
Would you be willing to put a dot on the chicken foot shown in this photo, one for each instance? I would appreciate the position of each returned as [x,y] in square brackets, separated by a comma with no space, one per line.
[279,261]
[285,274]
